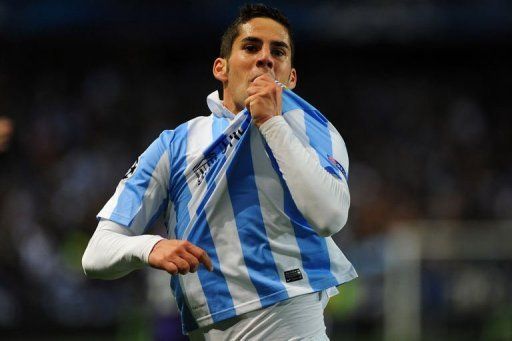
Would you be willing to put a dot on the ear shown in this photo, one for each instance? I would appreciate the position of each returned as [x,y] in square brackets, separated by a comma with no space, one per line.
[292,80]
[220,69]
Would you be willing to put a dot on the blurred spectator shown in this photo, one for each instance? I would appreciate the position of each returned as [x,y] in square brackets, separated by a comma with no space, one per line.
[6,132]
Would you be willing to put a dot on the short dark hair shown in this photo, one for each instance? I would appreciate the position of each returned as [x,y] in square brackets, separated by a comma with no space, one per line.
[246,13]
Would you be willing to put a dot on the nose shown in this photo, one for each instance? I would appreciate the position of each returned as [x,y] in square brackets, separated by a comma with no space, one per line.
[265,59]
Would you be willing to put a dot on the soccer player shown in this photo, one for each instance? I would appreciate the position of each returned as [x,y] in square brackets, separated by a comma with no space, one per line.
[249,200]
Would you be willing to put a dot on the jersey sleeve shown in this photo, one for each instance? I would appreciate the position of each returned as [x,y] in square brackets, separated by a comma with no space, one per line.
[142,195]
[317,186]
[337,161]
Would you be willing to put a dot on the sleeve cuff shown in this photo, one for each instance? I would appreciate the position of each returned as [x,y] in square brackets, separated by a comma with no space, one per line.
[272,124]
[148,247]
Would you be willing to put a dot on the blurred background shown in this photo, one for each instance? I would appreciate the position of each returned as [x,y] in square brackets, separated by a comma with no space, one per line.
[420,90]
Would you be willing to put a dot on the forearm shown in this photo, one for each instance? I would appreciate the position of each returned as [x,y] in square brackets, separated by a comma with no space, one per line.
[322,198]
[114,252]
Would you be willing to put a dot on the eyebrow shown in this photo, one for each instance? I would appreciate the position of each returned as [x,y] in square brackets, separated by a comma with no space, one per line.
[275,43]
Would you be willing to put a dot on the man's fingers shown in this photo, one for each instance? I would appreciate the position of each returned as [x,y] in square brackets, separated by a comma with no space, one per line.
[178,256]
[206,261]
[256,88]
[248,101]
[264,78]
[170,268]
[201,256]
[257,98]
[183,266]
[191,260]
[264,89]
[252,90]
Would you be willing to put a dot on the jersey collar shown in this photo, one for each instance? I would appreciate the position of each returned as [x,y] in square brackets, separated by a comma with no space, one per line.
[216,106]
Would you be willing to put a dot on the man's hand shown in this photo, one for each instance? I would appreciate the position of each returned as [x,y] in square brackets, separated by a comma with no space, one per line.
[264,101]
[178,256]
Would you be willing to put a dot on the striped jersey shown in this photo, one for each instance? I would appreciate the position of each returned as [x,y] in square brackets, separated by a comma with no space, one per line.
[217,184]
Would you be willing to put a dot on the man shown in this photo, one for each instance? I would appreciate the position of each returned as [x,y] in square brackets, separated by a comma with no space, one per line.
[248,196]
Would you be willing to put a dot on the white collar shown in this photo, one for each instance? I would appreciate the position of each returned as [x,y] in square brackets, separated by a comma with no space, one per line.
[216,106]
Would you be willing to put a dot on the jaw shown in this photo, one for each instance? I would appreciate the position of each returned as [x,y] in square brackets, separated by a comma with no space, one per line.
[234,99]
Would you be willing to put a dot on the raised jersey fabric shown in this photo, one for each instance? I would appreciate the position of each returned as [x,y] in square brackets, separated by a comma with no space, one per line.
[218,185]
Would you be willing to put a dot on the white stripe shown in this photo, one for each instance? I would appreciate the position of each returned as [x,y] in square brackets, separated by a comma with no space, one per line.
[341,268]
[106,211]
[154,195]
[220,215]
[198,137]
[197,144]
[295,118]
[280,232]
[339,149]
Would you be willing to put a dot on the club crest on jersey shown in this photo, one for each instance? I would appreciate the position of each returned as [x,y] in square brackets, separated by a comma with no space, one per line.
[132,169]
[338,165]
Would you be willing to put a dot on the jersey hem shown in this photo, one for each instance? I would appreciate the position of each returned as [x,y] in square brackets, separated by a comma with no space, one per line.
[268,300]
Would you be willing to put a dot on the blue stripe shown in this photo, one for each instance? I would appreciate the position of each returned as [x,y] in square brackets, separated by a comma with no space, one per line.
[179,191]
[249,221]
[180,194]
[131,198]
[318,265]
[219,125]
[320,139]
[213,283]
[188,322]
[317,129]
[155,216]
[313,248]
[292,101]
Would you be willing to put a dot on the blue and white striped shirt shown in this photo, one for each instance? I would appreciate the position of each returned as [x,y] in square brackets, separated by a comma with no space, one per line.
[219,186]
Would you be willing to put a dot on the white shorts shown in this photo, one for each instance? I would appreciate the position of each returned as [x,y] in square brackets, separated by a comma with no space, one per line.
[298,318]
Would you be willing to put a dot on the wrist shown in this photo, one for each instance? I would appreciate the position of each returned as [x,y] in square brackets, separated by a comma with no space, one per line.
[261,121]
[270,122]
[150,247]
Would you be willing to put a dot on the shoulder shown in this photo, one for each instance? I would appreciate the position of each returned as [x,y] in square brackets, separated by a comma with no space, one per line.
[193,126]
[336,135]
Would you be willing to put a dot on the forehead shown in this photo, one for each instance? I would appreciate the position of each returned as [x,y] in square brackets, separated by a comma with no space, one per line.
[265,29]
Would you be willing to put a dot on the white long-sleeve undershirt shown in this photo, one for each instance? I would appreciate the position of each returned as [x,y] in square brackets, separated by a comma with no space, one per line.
[323,199]
[114,251]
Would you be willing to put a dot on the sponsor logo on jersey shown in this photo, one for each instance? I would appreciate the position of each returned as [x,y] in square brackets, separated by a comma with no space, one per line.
[338,165]
[206,163]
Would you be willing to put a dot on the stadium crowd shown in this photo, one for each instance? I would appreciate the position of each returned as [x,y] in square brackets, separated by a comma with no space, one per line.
[427,132]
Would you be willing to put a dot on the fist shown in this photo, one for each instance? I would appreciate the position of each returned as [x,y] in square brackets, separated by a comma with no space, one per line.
[264,101]
[178,256]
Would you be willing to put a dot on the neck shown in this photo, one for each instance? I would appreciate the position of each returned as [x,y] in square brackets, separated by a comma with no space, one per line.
[229,103]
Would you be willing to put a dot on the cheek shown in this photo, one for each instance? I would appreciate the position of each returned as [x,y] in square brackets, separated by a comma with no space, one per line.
[245,64]
[285,72]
